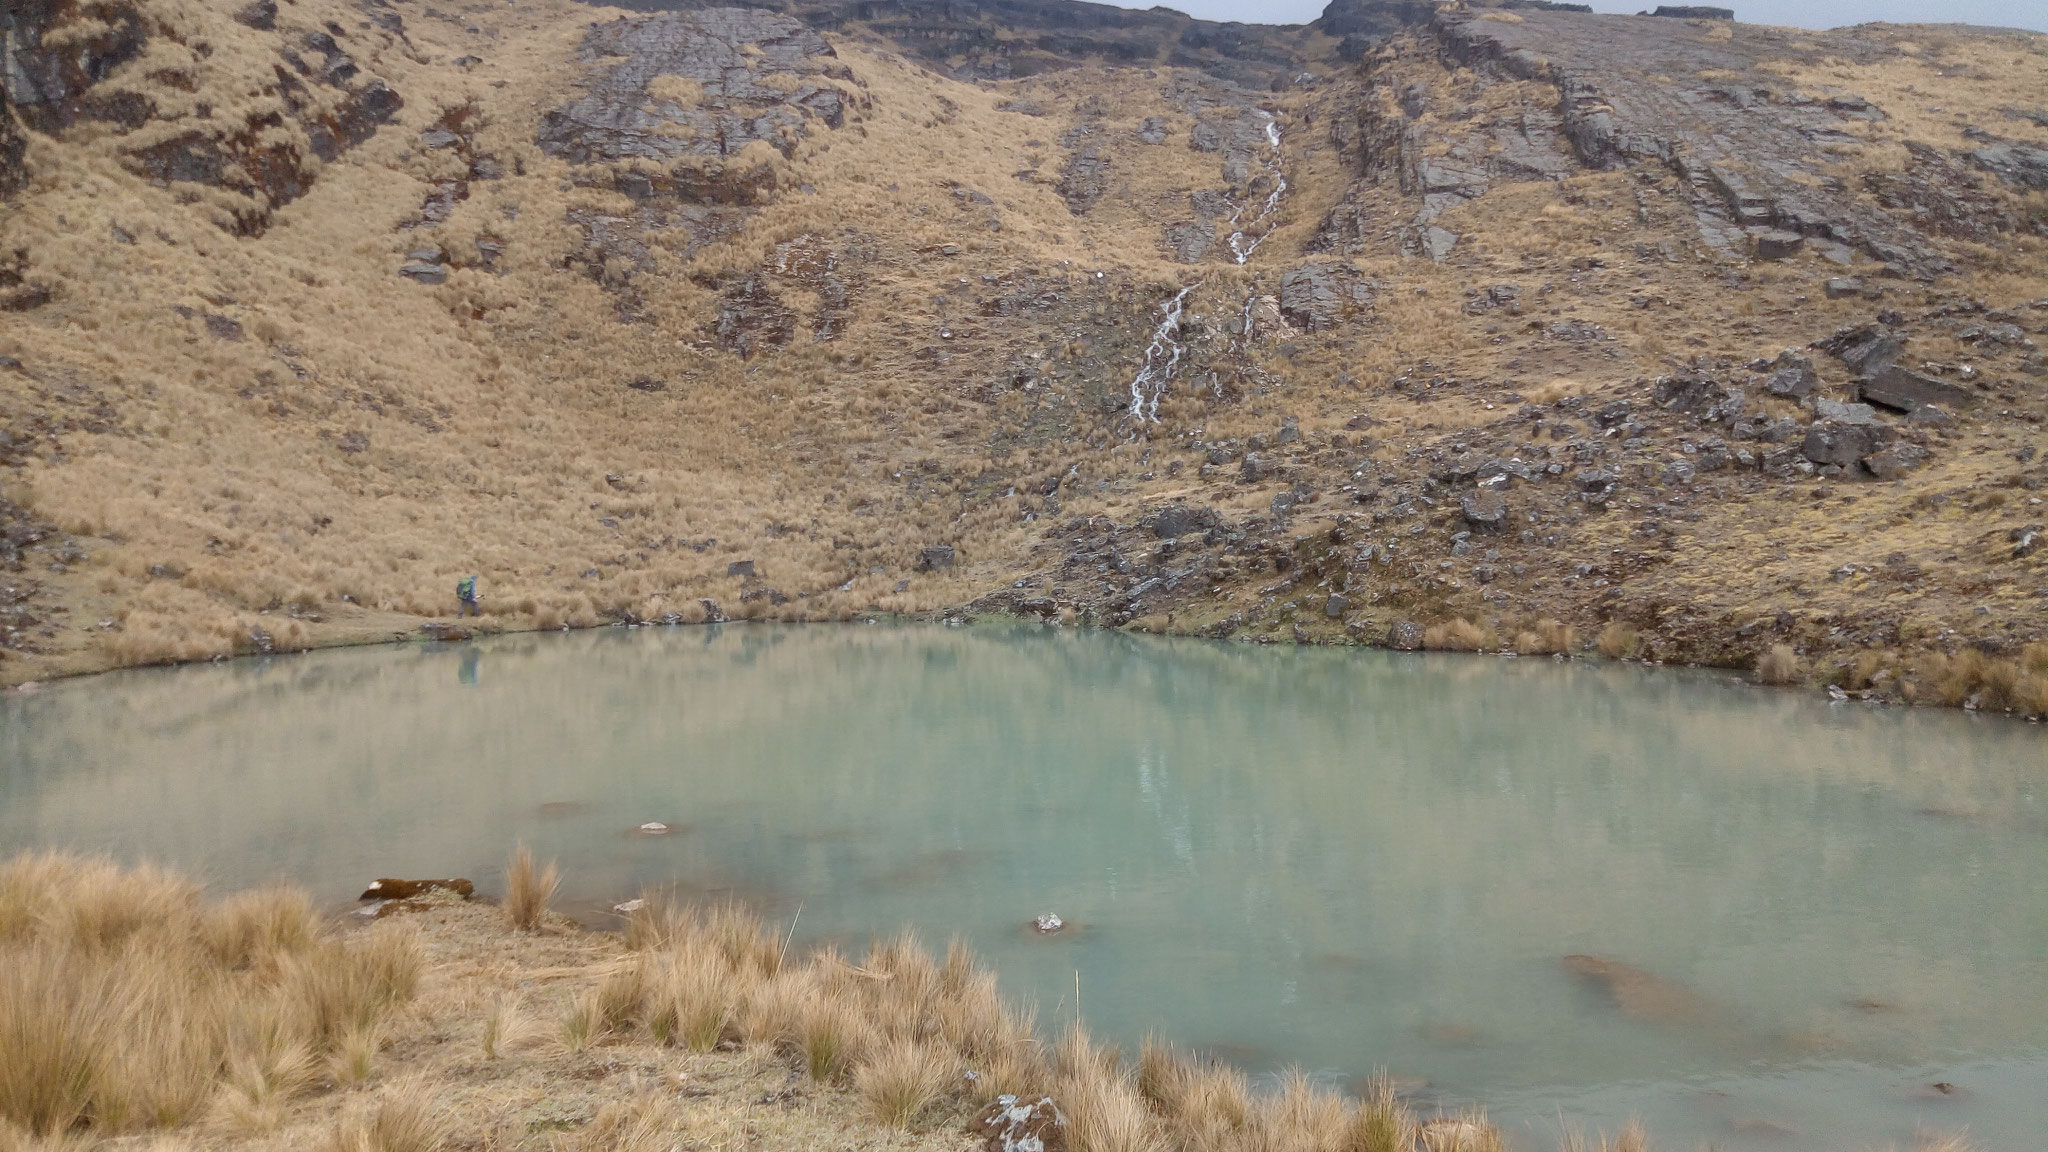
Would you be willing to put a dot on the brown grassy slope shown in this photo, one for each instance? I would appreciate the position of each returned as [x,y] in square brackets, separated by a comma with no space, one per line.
[367,439]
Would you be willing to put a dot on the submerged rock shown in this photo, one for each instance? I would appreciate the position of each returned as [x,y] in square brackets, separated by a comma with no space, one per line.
[1048,922]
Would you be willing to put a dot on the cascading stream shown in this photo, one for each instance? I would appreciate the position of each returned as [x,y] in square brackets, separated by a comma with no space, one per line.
[1163,354]
[1161,357]
[1240,248]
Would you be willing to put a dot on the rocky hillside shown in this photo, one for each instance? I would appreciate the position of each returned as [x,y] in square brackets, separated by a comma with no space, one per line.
[1504,327]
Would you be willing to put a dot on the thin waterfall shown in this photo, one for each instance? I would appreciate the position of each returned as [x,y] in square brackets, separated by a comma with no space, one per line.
[1161,357]
[1240,248]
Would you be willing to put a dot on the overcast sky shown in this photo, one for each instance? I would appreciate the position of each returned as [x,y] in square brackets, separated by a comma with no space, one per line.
[1803,13]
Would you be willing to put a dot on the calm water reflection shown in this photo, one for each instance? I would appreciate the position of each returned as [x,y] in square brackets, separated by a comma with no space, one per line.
[1801,913]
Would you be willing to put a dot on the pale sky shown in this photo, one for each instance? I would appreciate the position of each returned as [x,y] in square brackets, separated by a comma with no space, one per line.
[1803,13]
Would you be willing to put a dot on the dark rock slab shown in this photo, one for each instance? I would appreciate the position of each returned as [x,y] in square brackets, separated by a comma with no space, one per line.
[1895,387]
[1321,295]
[1844,444]
[935,558]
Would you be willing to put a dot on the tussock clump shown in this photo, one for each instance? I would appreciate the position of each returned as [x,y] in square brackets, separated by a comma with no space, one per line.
[1619,640]
[1546,637]
[503,1028]
[1382,1123]
[126,1004]
[904,1079]
[404,1120]
[1458,635]
[529,889]
[1973,679]
[1778,665]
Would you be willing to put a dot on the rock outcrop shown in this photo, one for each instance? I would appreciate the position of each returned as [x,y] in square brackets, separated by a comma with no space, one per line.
[694,86]
[69,62]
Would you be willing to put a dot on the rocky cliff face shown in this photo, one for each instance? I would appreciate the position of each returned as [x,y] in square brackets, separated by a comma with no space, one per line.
[1716,336]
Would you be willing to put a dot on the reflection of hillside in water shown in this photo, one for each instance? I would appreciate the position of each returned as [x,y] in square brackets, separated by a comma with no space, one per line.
[1353,858]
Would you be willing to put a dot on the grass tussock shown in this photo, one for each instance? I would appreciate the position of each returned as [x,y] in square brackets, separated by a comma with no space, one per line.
[402,1120]
[920,1040]
[1619,641]
[1778,665]
[1973,679]
[529,889]
[1459,635]
[1547,637]
[127,1004]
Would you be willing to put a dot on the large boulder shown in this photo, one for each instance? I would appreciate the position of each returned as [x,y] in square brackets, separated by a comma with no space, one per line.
[1843,444]
[1895,387]
[1321,295]
[1177,520]
[1405,636]
[1485,510]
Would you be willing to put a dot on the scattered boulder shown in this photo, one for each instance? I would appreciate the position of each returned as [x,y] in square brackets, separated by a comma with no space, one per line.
[1190,241]
[1839,413]
[1895,387]
[1018,1124]
[440,631]
[1485,509]
[1405,636]
[1254,468]
[1792,376]
[1843,286]
[425,273]
[1864,348]
[2027,540]
[1336,606]
[1177,520]
[744,569]
[390,889]
[1776,244]
[1152,130]
[936,558]
[260,15]
[1895,461]
[1844,444]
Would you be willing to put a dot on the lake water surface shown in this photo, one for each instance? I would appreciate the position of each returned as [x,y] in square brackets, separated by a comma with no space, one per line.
[1787,919]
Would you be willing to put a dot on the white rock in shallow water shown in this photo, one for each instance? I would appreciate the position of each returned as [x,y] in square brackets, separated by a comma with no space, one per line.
[629,907]
[1049,922]
[653,828]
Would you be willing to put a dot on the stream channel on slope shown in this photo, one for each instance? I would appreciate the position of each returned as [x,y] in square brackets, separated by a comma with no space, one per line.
[1581,890]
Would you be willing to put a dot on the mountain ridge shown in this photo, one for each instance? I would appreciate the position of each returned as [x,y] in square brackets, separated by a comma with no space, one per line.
[1496,325]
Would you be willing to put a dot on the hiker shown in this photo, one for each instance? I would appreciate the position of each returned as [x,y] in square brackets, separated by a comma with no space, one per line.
[465,594]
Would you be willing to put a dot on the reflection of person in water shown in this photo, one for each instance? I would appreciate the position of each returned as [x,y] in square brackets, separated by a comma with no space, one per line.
[467,673]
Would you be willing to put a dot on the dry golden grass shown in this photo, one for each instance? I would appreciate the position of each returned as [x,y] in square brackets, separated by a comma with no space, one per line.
[126,1005]
[1618,640]
[529,889]
[1778,665]
[1459,635]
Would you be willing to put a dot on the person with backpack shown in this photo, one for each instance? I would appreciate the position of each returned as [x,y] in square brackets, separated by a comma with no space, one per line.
[466,597]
